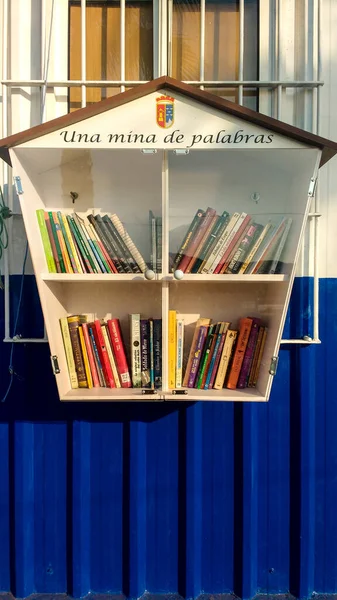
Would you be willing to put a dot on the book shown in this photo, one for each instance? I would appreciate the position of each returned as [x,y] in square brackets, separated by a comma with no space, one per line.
[245,325]
[64,251]
[220,246]
[57,242]
[97,359]
[179,352]
[71,258]
[73,325]
[201,339]
[215,359]
[135,350]
[205,358]
[253,377]
[103,353]
[238,231]
[69,352]
[145,352]
[257,243]
[112,361]
[249,353]
[267,255]
[272,266]
[124,255]
[159,242]
[52,243]
[157,352]
[136,255]
[153,241]
[74,250]
[172,348]
[227,350]
[197,240]
[90,353]
[200,322]
[193,227]
[85,358]
[86,241]
[80,245]
[119,352]
[110,249]
[210,220]
[243,247]
[46,241]
[217,229]
[98,249]
[151,353]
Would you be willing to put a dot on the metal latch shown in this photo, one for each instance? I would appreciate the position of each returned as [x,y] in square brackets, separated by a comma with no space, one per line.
[149,392]
[55,364]
[273,365]
[179,392]
[312,186]
[18,185]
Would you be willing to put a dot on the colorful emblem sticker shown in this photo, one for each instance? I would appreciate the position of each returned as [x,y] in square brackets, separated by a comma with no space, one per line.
[165,111]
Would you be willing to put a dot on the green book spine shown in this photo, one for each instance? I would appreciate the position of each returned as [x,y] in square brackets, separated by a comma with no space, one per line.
[57,243]
[84,237]
[80,244]
[100,254]
[204,358]
[46,241]
[65,237]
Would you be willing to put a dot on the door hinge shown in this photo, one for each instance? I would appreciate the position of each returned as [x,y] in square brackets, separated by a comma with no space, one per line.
[18,185]
[312,187]
[55,364]
[273,365]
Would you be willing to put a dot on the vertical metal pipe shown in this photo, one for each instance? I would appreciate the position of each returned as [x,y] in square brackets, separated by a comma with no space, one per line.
[5,168]
[278,48]
[202,41]
[315,129]
[169,51]
[122,49]
[83,53]
[241,46]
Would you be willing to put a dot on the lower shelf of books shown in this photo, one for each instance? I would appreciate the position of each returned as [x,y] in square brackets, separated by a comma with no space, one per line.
[137,395]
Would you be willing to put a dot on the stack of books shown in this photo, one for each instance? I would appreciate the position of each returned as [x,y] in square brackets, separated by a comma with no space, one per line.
[233,244]
[219,356]
[96,354]
[93,244]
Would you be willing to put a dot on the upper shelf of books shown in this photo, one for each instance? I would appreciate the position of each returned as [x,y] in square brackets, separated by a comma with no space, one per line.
[209,213]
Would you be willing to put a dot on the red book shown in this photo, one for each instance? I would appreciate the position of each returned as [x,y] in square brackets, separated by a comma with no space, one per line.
[91,358]
[248,358]
[107,257]
[233,243]
[103,354]
[119,352]
[200,233]
[239,352]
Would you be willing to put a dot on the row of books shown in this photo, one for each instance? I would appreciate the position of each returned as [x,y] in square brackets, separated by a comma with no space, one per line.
[94,244]
[96,354]
[219,356]
[233,244]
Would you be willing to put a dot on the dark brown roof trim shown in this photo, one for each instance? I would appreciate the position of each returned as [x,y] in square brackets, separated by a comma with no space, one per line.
[328,147]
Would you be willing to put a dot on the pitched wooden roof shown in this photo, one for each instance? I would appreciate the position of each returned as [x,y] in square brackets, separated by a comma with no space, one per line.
[328,147]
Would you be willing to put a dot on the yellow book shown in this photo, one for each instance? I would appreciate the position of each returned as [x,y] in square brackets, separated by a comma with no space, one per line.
[224,360]
[71,243]
[69,352]
[111,356]
[172,348]
[85,358]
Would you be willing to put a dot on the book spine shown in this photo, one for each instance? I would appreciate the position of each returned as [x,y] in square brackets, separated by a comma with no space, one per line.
[97,247]
[82,232]
[73,324]
[211,221]
[96,356]
[98,225]
[72,245]
[157,351]
[214,257]
[85,357]
[46,241]
[129,243]
[214,235]
[153,242]
[197,240]
[135,350]
[118,348]
[204,362]
[80,244]
[259,359]
[248,357]
[248,263]
[172,348]
[103,354]
[244,332]
[277,256]
[199,323]
[69,352]
[232,249]
[67,243]
[110,355]
[52,243]
[151,352]
[123,253]
[242,250]
[263,262]
[238,231]
[62,243]
[179,352]
[255,355]
[202,334]
[93,369]
[145,352]
[217,356]
[228,346]
[159,243]
[57,243]
[194,226]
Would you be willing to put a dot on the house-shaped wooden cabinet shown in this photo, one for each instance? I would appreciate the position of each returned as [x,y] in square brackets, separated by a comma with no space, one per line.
[214,198]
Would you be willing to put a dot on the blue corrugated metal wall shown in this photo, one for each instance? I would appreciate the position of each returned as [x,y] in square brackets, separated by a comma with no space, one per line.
[198,498]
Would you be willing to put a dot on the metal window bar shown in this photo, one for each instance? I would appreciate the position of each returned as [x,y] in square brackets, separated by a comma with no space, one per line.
[164,57]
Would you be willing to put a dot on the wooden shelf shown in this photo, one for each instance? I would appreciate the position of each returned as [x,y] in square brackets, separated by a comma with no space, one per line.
[110,395]
[107,277]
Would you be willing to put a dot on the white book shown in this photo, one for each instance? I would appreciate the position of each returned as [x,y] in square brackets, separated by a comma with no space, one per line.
[135,350]
[217,251]
[180,353]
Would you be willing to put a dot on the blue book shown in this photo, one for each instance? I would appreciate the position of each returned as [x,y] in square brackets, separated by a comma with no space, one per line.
[213,359]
